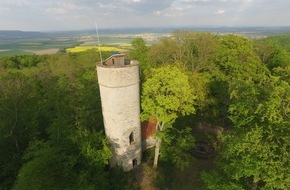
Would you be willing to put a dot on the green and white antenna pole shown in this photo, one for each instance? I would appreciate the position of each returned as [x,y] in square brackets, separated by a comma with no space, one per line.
[98,39]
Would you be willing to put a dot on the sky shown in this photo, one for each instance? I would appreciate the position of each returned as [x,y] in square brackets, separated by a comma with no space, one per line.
[51,15]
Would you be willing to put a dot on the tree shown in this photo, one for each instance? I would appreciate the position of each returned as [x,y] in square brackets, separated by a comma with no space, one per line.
[15,92]
[251,160]
[18,116]
[139,49]
[166,95]
[255,152]
[47,168]
[176,146]
[194,51]
[283,73]
[72,151]
[281,58]
[235,55]
[78,165]
[140,53]
[260,112]
[163,52]
[235,61]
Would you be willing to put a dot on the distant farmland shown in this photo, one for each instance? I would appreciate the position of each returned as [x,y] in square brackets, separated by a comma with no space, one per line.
[65,44]
[35,46]
[22,42]
[41,46]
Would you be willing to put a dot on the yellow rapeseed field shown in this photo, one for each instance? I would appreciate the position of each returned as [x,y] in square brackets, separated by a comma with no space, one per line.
[85,48]
[126,45]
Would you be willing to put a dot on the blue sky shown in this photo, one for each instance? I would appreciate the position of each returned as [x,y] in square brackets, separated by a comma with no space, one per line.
[43,15]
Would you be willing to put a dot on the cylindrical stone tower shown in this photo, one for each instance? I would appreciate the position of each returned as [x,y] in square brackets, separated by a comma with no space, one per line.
[119,87]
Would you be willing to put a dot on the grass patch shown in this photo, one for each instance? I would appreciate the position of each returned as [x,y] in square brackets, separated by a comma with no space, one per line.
[14,52]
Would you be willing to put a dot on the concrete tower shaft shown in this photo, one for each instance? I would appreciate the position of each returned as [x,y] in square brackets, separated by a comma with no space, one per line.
[120,96]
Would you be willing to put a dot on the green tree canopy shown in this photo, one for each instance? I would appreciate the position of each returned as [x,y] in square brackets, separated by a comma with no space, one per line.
[165,96]
[139,53]
[255,151]
[194,51]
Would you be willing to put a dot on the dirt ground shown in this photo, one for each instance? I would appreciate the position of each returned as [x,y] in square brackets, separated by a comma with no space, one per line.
[45,51]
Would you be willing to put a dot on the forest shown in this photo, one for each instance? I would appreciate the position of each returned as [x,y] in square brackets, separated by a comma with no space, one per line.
[51,126]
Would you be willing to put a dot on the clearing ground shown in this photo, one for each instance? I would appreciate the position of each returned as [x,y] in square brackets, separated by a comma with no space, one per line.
[171,178]
[44,51]
[145,175]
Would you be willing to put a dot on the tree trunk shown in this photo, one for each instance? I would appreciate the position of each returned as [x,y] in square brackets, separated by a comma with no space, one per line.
[16,143]
[159,128]
[156,155]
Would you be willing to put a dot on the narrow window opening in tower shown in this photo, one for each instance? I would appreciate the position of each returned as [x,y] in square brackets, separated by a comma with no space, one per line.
[131,138]
[134,162]
[113,61]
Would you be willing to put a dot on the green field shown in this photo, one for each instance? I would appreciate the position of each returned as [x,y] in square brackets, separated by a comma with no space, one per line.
[35,46]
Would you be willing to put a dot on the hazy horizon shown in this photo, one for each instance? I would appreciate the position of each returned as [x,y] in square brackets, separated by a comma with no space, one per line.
[170,28]
[73,15]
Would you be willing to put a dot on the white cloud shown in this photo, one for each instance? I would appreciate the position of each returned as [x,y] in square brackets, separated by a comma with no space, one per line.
[107,6]
[16,2]
[4,9]
[73,6]
[192,1]
[220,12]
[181,8]
[174,11]
[213,1]
[157,13]
[66,8]
[58,11]
[18,14]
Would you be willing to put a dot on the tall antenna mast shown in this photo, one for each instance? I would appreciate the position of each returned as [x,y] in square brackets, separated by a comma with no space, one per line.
[98,38]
